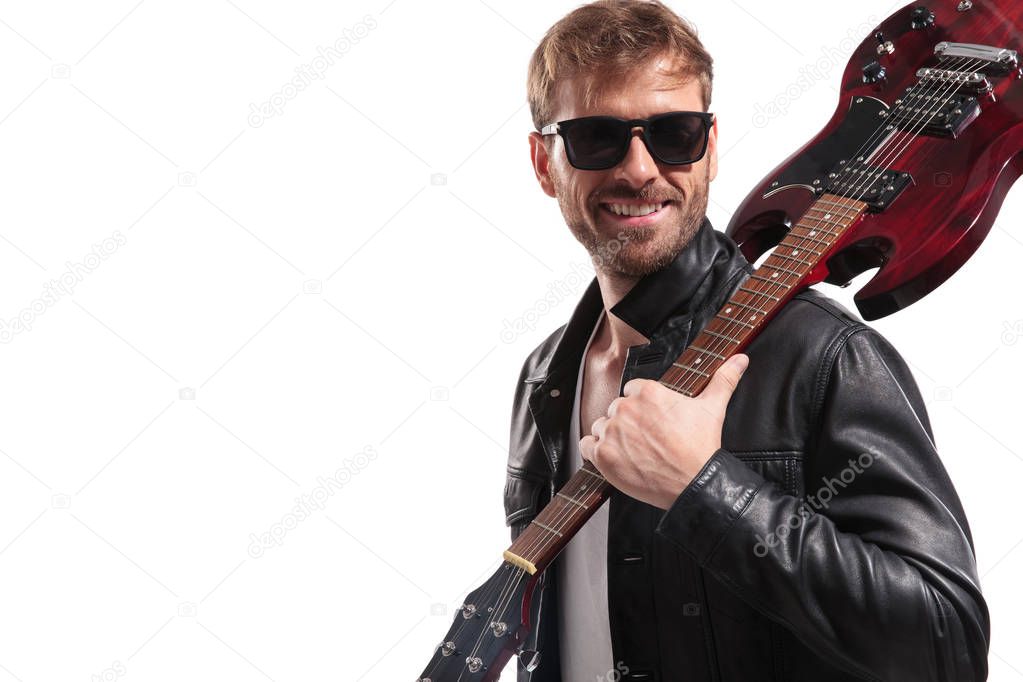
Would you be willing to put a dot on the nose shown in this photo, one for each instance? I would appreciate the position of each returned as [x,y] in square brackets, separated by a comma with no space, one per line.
[637,168]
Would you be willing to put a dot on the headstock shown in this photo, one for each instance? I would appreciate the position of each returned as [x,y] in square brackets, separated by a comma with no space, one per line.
[487,631]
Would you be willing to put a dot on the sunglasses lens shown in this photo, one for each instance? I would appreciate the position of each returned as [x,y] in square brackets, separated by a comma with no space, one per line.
[679,138]
[595,143]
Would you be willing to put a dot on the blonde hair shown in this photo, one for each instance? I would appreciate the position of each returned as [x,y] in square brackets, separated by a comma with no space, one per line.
[611,39]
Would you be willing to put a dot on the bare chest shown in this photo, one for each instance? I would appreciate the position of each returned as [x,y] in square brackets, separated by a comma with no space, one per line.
[601,379]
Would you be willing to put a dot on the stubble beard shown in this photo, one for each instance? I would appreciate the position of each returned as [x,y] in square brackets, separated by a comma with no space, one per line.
[636,252]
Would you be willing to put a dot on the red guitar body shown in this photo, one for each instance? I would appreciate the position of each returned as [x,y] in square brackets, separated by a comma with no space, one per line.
[959,184]
[907,176]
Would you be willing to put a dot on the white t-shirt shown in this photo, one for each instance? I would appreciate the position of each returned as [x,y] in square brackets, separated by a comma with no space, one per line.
[584,634]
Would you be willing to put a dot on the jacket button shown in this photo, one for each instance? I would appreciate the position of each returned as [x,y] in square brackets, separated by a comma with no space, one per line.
[691,609]
[555,393]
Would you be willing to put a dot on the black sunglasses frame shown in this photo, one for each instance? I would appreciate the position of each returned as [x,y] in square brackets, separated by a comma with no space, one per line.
[627,126]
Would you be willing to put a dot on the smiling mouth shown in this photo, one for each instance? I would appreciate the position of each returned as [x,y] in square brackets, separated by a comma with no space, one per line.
[623,210]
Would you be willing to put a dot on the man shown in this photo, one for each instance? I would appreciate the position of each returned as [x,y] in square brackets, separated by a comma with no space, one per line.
[792,522]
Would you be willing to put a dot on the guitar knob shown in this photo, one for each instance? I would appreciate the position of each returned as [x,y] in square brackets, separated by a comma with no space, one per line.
[921,18]
[530,659]
[874,72]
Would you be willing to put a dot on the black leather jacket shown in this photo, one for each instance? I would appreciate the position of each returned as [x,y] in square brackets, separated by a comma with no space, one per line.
[823,541]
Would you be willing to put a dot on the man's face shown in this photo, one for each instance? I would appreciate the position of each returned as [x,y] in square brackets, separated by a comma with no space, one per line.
[622,244]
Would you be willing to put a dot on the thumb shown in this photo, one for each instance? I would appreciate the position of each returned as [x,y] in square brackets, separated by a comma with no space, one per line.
[724,380]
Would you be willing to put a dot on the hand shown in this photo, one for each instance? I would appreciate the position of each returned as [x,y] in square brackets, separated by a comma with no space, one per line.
[654,440]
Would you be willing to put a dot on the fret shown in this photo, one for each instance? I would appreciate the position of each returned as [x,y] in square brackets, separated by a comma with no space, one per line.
[775,281]
[732,319]
[744,305]
[785,269]
[826,211]
[570,499]
[806,223]
[672,387]
[698,349]
[547,528]
[690,369]
[841,206]
[720,336]
[795,247]
[827,214]
[759,293]
[817,228]
[806,237]
[595,475]
[782,255]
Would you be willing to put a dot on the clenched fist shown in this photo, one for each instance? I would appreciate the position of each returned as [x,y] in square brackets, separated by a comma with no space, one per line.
[654,440]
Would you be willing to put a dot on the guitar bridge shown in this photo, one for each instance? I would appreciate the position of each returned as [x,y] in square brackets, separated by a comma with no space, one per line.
[997,61]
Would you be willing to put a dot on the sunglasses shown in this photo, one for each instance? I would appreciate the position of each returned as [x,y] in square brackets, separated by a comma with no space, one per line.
[601,142]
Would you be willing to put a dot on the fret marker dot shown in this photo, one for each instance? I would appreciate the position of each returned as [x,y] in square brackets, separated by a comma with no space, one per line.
[813,232]
[827,215]
[697,361]
[752,317]
[728,309]
[774,274]
[795,252]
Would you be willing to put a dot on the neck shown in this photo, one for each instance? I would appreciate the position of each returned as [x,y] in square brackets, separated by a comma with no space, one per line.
[792,265]
[615,336]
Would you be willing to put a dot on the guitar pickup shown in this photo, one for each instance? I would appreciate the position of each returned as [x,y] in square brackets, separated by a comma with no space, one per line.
[935,115]
[872,185]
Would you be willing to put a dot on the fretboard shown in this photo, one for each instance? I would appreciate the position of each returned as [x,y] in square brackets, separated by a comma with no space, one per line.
[780,276]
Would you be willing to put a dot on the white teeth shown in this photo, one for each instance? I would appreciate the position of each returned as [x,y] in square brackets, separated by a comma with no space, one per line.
[629,210]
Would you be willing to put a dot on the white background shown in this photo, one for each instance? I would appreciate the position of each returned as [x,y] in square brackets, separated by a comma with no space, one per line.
[277,298]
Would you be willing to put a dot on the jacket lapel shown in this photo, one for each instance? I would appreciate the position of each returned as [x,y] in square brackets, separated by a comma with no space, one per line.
[668,307]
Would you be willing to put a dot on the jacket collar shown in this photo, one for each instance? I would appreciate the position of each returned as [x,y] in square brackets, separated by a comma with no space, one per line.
[676,291]
[665,306]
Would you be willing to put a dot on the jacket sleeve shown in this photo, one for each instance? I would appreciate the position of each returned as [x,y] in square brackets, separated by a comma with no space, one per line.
[874,567]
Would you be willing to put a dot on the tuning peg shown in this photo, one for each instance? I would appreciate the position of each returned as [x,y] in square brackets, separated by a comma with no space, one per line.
[529,658]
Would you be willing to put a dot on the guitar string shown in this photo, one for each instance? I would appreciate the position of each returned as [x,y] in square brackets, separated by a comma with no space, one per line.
[868,177]
[557,521]
[543,541]
[688,380]
[910,136]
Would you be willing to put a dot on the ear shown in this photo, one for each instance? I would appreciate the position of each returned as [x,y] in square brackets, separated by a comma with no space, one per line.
[541,162]
[712,150]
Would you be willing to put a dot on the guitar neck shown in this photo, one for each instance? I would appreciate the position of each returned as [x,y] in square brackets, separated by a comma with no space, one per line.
[782,274]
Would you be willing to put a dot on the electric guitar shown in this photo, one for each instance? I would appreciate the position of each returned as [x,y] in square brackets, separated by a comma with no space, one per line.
[907,177]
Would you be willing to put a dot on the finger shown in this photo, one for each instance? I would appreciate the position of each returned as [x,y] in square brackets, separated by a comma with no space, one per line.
[597,430]
[613,407]
[586,445]
[724,380]
[632,386]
